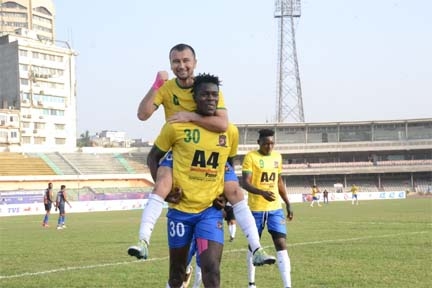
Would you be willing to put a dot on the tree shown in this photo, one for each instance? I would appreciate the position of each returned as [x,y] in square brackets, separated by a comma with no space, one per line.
[84,140]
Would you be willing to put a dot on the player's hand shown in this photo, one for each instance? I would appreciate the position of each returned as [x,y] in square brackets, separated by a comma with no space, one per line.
[161,77]
[220,202]
[290,213]
[268,195]
[182,117]
[174,196]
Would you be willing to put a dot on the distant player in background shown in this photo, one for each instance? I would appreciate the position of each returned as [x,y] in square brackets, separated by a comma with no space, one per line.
[48,201]
[325,196]
[315,196]
[60,205]
[354,197]
[262,178]
[230,220]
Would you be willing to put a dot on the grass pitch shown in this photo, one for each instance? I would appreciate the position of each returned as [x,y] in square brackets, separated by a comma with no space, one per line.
[382,243]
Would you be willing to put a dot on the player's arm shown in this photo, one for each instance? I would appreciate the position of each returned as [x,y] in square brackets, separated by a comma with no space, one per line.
[284,196]
[153,159]
[147,106]
[51,198]
[65,198]
[247,185]
[217,123]
[56,203]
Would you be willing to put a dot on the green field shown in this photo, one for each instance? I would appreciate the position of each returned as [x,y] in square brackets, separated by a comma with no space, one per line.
[383,243]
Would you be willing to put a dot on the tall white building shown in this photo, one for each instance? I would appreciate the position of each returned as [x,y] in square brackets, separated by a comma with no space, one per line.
[36,15]
[37,79]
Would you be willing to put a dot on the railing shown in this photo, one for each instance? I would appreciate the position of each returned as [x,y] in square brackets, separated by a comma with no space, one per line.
[340,147]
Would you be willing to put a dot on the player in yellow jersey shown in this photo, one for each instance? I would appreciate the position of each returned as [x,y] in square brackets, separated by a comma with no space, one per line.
[315,196]
[176,97]
[199,158]
[262,178]
[354,196]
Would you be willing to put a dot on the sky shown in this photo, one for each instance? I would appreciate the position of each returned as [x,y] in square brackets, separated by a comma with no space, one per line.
[358,60]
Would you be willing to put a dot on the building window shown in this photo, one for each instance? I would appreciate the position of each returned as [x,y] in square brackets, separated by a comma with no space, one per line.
[39,125]
[60,141]
[39,140]
[23,53]
[23,67]
[25,139]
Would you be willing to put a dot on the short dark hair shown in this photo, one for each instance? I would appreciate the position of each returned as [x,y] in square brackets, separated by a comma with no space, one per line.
[181,47]
[62,186]
[265,133]
[205,78]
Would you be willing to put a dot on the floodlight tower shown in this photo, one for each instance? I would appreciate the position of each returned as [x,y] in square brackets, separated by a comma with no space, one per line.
[289,102]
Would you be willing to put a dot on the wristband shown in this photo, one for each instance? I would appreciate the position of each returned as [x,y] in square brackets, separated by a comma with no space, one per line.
[158,82]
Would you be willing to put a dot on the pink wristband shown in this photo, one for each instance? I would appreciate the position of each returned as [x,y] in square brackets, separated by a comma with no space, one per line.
[158,82]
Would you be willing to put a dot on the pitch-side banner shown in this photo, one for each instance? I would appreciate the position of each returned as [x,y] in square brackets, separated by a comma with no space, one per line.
[118,205]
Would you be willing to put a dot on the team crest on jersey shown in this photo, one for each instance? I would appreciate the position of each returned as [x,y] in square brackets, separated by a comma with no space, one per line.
[276,164]
[222,140]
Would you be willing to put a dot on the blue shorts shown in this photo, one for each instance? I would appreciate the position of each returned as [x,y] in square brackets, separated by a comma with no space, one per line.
[61,208]
[229,175]
[354,196]
[315,198]
[48,206]
[275,221]
[182,226]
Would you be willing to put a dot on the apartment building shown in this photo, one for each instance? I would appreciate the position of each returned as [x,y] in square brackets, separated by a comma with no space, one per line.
[37,81]
[36,15]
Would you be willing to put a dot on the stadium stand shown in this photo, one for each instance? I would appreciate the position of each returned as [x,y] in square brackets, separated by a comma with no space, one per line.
[12,164]
[138,161]
[97,163]
[375,155]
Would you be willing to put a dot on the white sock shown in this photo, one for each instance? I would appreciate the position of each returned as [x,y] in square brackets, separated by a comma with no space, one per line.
[198,277]
[284,264]
[247,224]
[251,268]
[150,214]
[188,268]
[232,229]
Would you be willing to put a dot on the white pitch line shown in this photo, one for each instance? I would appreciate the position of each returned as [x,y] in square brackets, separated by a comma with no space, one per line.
[78,268]
[225,252]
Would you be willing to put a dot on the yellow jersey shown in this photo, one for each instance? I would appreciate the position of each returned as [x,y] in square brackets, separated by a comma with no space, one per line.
[175,98]
[265,170]
[354,190]
[199,158]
